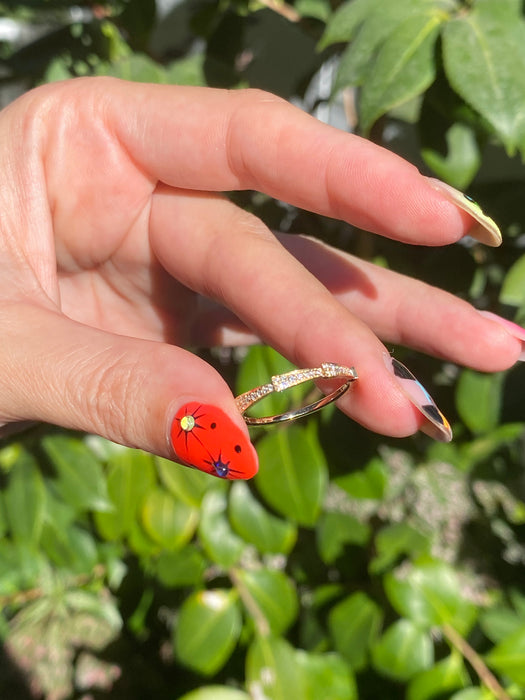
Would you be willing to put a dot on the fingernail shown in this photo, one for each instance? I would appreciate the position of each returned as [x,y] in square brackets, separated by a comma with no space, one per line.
[513,328]
[436,426]
[486,230]
[205,438]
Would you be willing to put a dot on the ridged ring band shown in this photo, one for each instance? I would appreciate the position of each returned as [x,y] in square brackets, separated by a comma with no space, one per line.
[281,382]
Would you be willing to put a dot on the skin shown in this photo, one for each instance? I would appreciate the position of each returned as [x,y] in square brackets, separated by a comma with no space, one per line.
[112,230]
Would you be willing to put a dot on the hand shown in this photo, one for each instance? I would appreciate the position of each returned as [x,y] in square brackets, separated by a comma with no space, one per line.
[113,232]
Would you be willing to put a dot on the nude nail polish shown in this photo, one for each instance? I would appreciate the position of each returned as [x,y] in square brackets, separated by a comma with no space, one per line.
[513,328]
[436,425]
[205,438]
[485,230]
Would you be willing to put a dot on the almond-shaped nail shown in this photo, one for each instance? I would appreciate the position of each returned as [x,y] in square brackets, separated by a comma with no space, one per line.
[436,425]
[205,438]
[513,328]
[485,230]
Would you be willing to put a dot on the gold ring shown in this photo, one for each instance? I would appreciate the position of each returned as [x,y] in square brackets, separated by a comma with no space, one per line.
[281,382]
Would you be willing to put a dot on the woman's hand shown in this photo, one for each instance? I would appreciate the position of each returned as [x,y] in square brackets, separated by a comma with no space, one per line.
[118,250]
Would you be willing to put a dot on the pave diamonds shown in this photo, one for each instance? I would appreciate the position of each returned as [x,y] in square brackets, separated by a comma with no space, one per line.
[245,400]
[281,382]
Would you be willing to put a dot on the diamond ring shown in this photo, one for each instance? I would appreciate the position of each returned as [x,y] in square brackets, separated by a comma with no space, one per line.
[281,382]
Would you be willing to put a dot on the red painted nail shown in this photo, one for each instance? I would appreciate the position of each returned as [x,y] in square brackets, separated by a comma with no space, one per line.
[205,438]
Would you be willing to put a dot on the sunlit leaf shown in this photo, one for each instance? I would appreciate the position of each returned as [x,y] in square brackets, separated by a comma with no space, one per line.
[354,624]
[221,544]
[272,670]
[508,657]
[257,525]
[293,473]
[513,287]
[403,650]
[181,568]
[207,630]
[25,500]
[335,530]
[273,594]
[478,399]
[188,485]
[169,522]
[445,676]
[215,692]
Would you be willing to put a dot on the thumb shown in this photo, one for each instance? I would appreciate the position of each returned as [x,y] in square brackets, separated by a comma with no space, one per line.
[139,393]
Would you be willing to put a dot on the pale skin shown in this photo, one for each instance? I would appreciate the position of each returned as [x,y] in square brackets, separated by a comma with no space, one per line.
[112,226]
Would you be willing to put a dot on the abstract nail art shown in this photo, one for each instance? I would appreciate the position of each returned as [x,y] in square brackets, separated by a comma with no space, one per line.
[205,438]
[486,230]
[436,426]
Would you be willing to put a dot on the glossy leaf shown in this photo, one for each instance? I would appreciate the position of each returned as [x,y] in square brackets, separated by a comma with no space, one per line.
[184,567]
[473,694]
[447,675]
[272,670]
[80,477]
[256,525]
[344,23]
[404,650]
[207,630]
[513,287]
[260,364]
[462,160]
[188,485]
[395,540]
[478,399]
[169,522]
[293,473]
[130,477]
[508,657]
[335,530]
[221,544]
[326,676]
[370,482]
[216,692]
[25,500]
[429,594]
[354,624]
[484,59]
[273,594]
[404,68]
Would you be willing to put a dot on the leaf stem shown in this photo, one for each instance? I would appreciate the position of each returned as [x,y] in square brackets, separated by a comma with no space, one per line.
[261,623]
[283,9]
[475,660]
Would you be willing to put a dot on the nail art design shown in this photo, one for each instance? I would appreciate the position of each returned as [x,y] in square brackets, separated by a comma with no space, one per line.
[205,438]
[513,328]
[486,230]
[437,426]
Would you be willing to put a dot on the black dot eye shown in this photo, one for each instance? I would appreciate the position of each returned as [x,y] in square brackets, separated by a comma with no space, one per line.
[237,448]
[213,426]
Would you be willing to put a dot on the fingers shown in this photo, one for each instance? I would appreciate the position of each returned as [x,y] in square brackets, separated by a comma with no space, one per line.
[217,140]
[406,311]
[134,392]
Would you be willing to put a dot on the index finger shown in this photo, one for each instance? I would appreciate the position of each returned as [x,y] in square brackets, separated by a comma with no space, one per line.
[217,140]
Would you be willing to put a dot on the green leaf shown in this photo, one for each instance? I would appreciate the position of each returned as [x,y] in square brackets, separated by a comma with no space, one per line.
[272,671]
[80,479]
[403,650]
[354,624]
[346,20]
[25,500]
[185,567]
[394,540]
[513,288]
[215,692]
[219,541]
[326,676]
[430,594]
[293,474]
[167,521]
[71,547]
[131,475]
[207,630]
[484,59]
[273,593]
[260,364]
[478,399]
[370,483]
[508,657]
[188,485]
[404,68]
[335,530]
[462,161]
[256,525]
[473,694]
[445,676]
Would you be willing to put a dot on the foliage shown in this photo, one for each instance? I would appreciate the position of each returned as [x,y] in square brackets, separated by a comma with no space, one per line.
[354,566]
